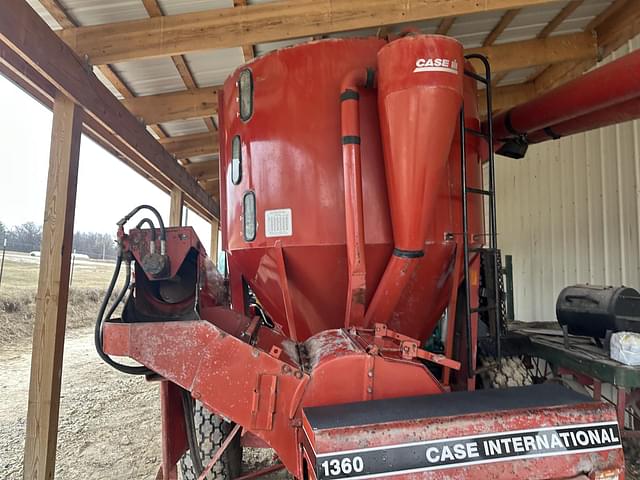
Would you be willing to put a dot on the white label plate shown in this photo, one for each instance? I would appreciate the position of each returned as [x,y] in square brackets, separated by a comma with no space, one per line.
[278,223]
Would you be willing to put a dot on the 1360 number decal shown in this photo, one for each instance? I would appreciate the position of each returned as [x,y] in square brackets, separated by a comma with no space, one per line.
[345,466]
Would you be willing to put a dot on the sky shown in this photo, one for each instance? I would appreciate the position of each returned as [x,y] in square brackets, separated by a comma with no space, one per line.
[107,188]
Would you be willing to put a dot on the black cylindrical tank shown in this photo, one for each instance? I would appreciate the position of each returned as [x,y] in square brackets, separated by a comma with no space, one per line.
[591,310]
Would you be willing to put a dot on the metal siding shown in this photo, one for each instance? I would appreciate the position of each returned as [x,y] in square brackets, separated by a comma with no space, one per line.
[569,211]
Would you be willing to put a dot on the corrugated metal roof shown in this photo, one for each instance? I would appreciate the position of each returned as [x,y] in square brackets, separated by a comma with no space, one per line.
[173,7]
[96,12]
[184,127]
[150,76]
[210,68]
[214,66]
[44,14]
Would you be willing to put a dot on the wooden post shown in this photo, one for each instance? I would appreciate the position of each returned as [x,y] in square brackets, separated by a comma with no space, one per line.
[213,253]
[175,210]
[53,292]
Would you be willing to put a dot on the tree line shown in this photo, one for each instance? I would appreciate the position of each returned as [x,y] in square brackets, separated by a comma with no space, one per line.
[27,238]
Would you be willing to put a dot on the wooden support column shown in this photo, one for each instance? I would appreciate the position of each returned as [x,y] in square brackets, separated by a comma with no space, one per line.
[53,292]
[175,210]
[213,252]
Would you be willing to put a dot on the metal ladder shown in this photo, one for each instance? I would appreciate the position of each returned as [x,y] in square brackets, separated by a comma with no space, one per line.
[492,234]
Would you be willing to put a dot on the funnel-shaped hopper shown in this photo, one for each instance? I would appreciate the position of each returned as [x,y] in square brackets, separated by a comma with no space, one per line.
[420,93]
[419,98]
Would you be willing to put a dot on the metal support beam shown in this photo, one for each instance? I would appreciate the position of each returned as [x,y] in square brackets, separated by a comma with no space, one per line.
[53,292]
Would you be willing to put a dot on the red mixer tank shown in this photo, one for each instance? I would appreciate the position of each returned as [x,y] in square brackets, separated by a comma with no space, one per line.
[289,155]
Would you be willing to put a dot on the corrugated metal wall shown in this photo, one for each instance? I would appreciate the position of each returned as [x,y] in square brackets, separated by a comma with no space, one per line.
[569,213]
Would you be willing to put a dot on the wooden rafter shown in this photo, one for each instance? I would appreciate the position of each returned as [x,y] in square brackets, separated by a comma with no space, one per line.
[500,27]
[65,21]
[248,50]
[182,105]
[185,146]
[445,25]
[265,22]
[615,26]
[203,102]
[204,170]
[47,55]
[509,56]
[154,10]
[550,27]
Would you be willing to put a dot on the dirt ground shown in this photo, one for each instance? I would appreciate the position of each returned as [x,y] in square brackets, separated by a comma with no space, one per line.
[109,422]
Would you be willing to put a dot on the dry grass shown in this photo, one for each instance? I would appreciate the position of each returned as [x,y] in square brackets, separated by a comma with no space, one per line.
[18,295]
[21,273]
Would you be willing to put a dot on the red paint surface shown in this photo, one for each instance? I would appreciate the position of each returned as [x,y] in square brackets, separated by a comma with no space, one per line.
[622,112]
[293,158]
[262,378]
[603,87]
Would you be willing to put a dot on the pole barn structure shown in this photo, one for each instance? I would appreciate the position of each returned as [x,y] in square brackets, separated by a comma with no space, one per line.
[142,78]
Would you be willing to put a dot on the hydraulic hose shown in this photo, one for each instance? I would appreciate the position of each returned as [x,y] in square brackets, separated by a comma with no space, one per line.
[163,231]
[131,370]
[147,220]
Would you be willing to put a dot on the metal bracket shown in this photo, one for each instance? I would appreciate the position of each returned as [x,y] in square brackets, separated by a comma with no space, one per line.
[409,348]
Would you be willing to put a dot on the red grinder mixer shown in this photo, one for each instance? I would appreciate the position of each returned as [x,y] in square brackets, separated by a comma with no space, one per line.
[346,169]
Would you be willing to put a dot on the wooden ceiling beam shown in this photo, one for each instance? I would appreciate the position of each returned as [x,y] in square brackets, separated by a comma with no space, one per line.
[182,105]
[613,27]
[260,23]
[185,146]
[65,21]
[58,64]
[58,13]
[561,48]
[203,102]
[154,10]
[550,27]
[507,96]
[500,27]
[248,51]
[204,171]
[212,187]
[445,25]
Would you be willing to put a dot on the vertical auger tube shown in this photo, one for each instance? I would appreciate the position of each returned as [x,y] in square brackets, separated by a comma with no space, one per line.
[352,171]
[420,93]
[611,84]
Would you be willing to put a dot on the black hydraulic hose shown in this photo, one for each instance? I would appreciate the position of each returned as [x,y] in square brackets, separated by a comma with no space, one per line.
[163,231]
[152,243]
[131,370]
[148,221]
[194,450]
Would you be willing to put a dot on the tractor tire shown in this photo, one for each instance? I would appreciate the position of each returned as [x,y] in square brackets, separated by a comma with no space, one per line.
[510,372]
[211,431]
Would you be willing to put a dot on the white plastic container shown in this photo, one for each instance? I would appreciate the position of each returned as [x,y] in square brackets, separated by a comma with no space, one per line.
[625,348]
